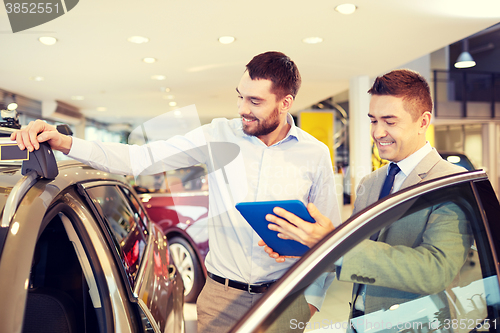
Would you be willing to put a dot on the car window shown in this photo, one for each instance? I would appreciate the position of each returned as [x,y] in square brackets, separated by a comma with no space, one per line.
[188,179]
[140,216]
[437,275]
[126,225]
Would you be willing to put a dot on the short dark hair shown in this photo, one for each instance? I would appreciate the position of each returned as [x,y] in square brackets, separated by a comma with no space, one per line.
[409,85]
[278,68]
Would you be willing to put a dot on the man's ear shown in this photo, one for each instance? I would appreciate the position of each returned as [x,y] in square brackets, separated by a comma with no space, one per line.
[425,121]
[286,104]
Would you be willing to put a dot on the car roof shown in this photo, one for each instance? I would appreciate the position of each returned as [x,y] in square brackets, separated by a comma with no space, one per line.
[16,180]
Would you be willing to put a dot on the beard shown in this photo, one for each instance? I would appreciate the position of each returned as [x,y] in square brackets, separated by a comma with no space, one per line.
[265,126]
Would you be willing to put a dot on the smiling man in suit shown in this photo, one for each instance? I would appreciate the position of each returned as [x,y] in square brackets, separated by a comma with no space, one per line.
[420,254]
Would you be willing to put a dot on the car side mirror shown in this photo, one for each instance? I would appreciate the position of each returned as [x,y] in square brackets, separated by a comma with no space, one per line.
[42,161]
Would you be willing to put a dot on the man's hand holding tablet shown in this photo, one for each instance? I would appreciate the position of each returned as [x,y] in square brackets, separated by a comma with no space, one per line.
[291,227]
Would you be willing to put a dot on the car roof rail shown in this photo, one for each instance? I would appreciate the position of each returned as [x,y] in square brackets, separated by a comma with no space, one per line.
[42,161]
[41,164]
[64,129]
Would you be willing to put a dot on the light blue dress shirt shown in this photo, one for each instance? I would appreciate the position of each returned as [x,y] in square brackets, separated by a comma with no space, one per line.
[297,167]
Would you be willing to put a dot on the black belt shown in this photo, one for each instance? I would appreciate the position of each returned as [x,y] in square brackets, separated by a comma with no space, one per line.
[251,288]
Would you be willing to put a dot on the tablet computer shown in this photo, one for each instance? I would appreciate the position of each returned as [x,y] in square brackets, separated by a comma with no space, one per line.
[255,214]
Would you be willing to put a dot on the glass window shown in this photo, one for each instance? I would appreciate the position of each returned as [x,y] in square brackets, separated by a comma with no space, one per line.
[431,270]
[140,216]
[125,223]
[190,179]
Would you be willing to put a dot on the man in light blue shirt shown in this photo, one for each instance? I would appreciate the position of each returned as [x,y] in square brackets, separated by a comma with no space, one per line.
[276,161]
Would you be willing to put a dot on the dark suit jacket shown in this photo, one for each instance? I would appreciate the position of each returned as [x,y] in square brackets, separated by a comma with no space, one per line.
[417,255]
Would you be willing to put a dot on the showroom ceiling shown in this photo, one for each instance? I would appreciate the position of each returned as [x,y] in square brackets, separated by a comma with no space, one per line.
[93,58]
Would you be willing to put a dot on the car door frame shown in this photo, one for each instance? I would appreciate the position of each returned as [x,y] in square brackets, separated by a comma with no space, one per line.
[132,290]
[357,228]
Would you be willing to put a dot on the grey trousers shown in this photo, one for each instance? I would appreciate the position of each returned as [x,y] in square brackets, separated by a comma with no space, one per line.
[219,307]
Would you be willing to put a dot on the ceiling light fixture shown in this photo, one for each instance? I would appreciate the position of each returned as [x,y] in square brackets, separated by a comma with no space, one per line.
[346,8]
[47,40]
[138,39]
[172,104]
[37,78]
[453,159]
[10,101]
[312,40]
[149,60]
[226,39]
[158,77]
[168,96]
[465,60]
[77,98]
[101,108]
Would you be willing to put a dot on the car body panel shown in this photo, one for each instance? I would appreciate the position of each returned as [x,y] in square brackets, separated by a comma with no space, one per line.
[160,286]
[18,252]
[48,201]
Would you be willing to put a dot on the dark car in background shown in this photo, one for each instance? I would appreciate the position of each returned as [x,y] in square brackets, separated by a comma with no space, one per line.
[78,253]
[470,303]
[177,202]
[458,159]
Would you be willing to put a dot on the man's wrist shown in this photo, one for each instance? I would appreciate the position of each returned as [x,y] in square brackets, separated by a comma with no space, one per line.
[67,142]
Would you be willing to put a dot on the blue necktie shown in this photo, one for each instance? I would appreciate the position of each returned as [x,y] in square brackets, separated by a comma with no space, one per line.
[389,180]
[386,188]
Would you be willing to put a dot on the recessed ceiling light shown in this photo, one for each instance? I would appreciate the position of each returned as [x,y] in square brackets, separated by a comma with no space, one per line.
[172,103]
[346,8]
[149,60]
[138,39]
[167,90]
[37,78]
[77,98]
[12,106]
[312,40]
[47,40]
[158,77]
[226,39]
[101,108]
[168,96]
[453,159]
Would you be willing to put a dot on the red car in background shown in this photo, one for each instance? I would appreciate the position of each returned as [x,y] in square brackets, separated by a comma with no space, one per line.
[177,201]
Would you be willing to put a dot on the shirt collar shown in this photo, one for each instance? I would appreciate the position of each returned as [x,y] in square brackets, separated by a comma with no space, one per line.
[408,164]
[293,128]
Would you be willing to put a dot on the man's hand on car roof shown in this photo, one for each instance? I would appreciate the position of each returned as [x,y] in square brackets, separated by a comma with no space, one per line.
[38,131]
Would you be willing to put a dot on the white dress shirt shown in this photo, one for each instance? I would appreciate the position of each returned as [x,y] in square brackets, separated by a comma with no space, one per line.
[297,167]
